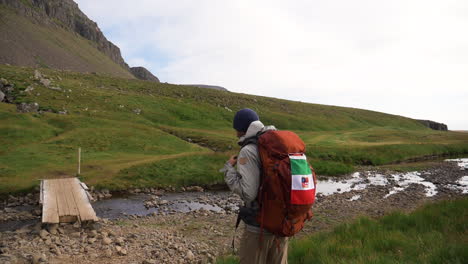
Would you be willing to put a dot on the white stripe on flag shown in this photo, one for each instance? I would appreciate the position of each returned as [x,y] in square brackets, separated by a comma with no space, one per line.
[303,156]
[298,183]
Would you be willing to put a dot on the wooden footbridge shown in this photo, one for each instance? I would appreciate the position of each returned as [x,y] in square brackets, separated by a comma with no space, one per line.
[65,200]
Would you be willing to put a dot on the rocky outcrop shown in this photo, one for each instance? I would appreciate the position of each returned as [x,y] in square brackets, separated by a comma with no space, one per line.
[143,74]
[66,14]
[433,125]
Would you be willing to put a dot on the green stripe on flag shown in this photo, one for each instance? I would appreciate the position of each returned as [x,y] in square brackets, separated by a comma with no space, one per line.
[300,167]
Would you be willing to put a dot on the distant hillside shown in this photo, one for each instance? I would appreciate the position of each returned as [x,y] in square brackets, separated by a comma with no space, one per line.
[208,86]
[141,133]
[56,34]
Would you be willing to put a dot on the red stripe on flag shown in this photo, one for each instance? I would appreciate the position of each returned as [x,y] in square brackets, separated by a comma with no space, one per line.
[302,196]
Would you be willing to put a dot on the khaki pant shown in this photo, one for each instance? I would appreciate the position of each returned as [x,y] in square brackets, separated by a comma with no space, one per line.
[269,252]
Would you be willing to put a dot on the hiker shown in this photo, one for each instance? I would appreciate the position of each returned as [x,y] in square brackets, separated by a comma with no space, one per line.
[256,246]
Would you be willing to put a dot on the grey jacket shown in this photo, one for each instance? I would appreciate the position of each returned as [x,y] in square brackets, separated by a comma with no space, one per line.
[245,179]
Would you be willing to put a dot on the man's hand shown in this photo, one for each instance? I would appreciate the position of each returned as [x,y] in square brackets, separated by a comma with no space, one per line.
[233,160]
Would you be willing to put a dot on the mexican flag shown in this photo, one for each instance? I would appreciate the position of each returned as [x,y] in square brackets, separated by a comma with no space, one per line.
[302,181]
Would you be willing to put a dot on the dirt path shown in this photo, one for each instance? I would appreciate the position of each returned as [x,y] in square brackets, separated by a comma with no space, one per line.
[200,236]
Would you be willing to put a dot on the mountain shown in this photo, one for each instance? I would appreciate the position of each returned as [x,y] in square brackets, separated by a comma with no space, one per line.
[56,34]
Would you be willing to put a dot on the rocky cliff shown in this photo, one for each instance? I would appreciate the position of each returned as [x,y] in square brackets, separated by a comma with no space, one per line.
[56,34]
[143,74]
[65,13]
[434,125]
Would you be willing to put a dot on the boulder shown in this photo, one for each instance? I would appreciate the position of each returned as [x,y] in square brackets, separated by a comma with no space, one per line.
[37,75]
[2,96]
[143,74]
[27,107]
[45,82]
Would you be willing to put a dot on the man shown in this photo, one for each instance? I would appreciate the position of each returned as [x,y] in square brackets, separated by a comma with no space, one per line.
[242,175]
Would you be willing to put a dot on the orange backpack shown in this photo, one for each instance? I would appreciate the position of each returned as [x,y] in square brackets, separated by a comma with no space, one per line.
[287,185]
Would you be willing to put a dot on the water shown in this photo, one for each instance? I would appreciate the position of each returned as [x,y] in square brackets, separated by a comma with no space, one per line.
[462,163]
[134,205]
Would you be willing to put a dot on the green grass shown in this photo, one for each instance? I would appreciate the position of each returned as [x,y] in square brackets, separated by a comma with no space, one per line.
[436,233]
[122,149]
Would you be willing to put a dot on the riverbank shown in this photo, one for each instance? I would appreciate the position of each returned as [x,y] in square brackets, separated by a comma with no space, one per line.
[175,230]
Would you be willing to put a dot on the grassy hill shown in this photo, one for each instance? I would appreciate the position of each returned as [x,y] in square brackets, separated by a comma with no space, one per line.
[43,42]
[139,133]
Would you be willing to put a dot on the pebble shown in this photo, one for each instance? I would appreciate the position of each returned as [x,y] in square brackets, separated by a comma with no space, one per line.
[190,255]
[120,241]
[43,233]
[106,241]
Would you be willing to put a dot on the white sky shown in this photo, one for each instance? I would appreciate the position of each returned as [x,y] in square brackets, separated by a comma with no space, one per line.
[404,57]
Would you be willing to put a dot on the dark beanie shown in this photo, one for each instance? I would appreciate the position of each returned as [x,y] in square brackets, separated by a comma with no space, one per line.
[243,118]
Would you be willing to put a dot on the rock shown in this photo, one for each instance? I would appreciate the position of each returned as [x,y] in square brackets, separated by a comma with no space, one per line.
[45,82]
[4,82]
[36,259]
[29,89]
[121,251]
[92,240]
[55,88]
[53,229]
[106,241]
[143,74]
[2,96]
[75,234]
[149,261]
[194,189]
[163,202]
[37,75]
[137,111]
[93,233]
[189,255]
[43,233]
[27,107]
[63,112]
[120,241]
[55,250]
[108,253]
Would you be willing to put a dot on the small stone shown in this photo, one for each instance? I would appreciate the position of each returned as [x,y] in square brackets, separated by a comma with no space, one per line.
[149,261]
[37,75]
[29,89]
[75,234]
[190,255]
[120,241]
[92,240]
[53,229]
[45,82]
[43,233]
[106,241]
[56,250]
[123,252]
[93,233]
[108,253]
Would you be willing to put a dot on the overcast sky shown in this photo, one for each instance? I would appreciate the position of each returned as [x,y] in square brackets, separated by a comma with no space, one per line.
[404,57]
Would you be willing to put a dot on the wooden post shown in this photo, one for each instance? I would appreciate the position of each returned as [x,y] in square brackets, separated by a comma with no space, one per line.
[79,161]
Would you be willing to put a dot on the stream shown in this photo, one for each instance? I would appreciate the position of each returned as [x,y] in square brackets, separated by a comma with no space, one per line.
[133,205]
